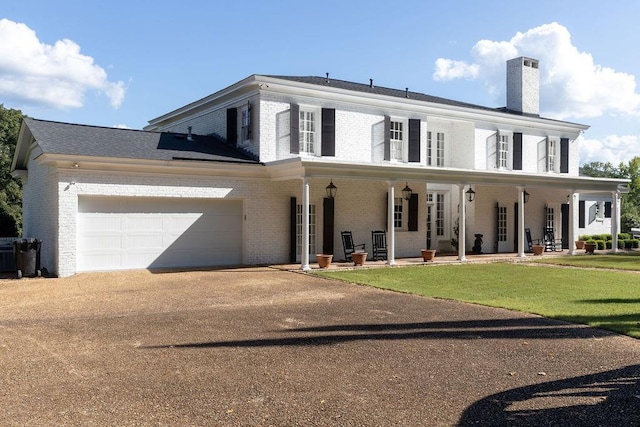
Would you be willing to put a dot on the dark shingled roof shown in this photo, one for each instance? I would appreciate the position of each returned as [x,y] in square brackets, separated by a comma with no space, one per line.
[84,140]
[378,90]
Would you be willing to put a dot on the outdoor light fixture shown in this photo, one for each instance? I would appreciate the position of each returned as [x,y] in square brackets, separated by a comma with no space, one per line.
[526,196]
[471,195]
[407,192]
[331,190]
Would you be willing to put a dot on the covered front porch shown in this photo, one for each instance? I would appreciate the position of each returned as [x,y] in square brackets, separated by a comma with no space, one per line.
[471,199]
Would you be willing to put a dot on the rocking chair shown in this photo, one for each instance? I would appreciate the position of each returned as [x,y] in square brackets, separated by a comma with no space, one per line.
[349,247]
[379,241]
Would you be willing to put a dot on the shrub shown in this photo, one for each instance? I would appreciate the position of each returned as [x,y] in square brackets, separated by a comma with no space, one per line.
[635,243]
[601,243]
[624,236]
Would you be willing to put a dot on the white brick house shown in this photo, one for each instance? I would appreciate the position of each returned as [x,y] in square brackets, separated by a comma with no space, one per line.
[239,177]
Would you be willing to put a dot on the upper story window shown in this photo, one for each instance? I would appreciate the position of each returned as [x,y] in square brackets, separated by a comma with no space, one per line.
[397,140]
[435,149]
[503,151]
[309,135]
[552,155]
[246,123]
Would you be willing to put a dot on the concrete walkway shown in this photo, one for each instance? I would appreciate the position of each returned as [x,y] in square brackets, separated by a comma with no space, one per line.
[267,347]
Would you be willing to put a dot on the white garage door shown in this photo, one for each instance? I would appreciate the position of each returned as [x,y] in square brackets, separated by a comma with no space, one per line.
[116,233]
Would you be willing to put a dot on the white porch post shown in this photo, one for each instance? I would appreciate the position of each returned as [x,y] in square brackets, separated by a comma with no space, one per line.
[521,222]
[391,255]
[462,227]
[305,225]
[572,224]
[615,220]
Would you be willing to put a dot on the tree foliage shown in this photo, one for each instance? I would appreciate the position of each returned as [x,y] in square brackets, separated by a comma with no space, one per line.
[10,188]
[630,209]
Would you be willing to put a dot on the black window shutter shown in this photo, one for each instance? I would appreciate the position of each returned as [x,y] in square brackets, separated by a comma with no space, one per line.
[607,209]
[232,126]
[412,222]
[250,129]
[581,214]
[387,137]
[293,212]
[564,155]
[294,135]
[328,225]
[328,132]
[414,140]
[517,151]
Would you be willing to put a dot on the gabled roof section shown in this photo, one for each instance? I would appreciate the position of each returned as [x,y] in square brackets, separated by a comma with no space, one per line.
[94,141]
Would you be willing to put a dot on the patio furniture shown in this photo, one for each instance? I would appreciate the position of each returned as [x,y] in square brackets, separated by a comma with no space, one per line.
[527,232]
[551,244]
[379,242]
[349,246]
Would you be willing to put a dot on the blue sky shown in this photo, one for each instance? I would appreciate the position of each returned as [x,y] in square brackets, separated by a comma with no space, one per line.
[120,63]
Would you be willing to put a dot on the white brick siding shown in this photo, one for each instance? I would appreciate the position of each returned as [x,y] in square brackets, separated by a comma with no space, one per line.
[40,209]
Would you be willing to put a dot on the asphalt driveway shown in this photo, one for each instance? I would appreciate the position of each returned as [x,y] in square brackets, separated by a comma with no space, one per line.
[260,347]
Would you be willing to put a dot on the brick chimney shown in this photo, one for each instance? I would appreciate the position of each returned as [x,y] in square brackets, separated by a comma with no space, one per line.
[523,85]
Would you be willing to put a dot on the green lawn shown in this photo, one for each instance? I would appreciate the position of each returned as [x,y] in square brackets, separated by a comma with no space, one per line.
[596,297]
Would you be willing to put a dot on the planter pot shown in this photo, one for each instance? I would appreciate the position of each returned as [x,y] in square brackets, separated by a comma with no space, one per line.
[324,261]
[537,249]
[590,247]
[428,254]
[359,257]
[580,244]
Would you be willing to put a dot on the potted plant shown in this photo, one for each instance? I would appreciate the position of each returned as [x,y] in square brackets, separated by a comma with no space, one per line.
[580,244]
[590,247]
[537,249]
[359,258]
[324,260]
[428,254]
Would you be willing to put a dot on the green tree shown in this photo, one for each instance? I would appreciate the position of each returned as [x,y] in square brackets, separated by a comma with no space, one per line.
[630,208]
[10,188]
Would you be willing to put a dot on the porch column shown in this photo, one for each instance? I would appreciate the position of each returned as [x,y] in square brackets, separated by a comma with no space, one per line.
[305,225]
[572,225]
[391,249]
[615,220]
[462,227]
[521,234]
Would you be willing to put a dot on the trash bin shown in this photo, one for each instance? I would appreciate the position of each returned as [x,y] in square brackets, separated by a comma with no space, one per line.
[27,256]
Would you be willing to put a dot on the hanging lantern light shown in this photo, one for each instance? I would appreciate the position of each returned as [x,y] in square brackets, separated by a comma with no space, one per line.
[331,190]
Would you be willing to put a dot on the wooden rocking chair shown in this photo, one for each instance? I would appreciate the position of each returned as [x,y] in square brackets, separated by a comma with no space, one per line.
[349,247]
[379,241]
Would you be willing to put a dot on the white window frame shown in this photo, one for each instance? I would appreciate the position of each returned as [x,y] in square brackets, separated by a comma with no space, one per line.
[245,124]
[437,200]
[504,150]
[553,154]
[398,147]
[435,149]
[309,131]
[398,216]
[312,229]
[502,223]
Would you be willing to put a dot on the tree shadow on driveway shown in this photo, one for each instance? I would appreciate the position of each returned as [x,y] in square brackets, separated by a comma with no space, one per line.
[516,328]
[610,398]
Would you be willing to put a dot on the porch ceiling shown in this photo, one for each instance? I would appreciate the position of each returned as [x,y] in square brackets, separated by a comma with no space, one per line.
[317,168]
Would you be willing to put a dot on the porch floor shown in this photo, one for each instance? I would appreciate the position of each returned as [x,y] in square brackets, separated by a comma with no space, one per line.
[439,259]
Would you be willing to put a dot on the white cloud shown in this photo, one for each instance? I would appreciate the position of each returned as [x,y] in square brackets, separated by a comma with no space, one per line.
[122,126]
[572,85]
[447,69]
[613,148]
[53,75]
